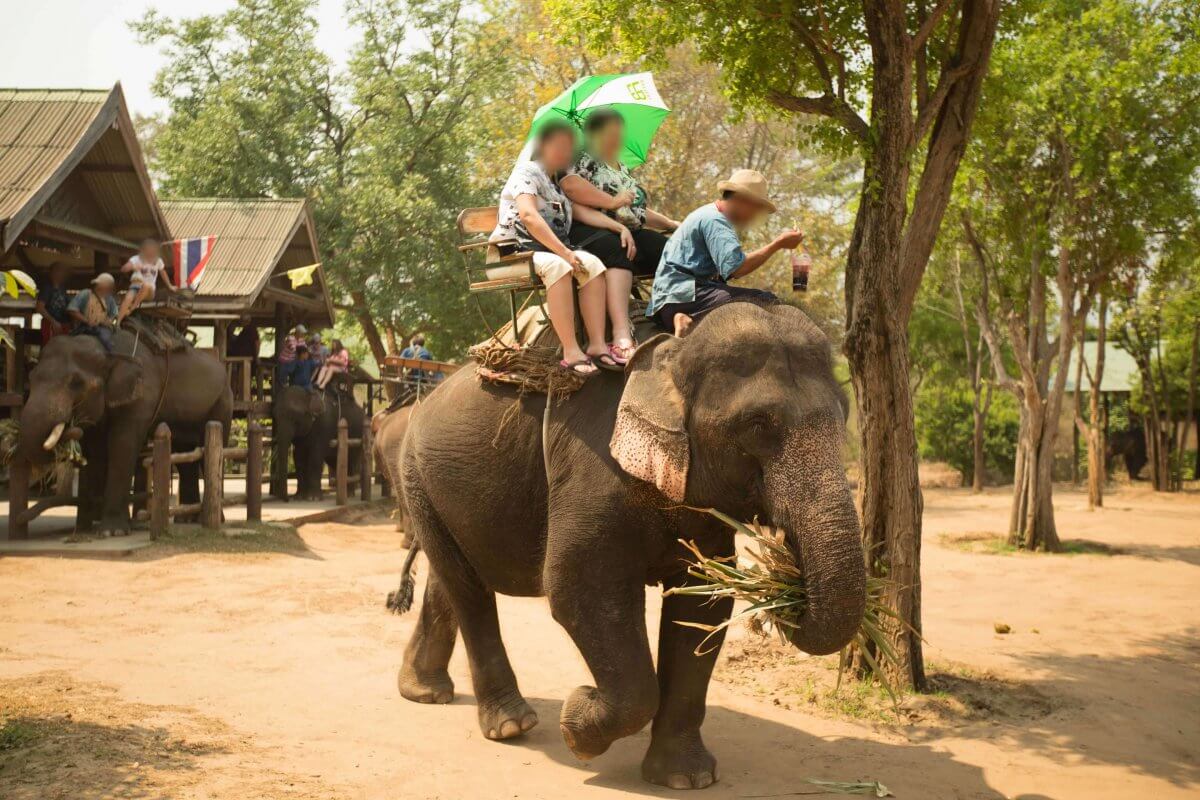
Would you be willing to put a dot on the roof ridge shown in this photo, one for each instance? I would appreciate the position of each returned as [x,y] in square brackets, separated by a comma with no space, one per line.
[54,90]
[233,200]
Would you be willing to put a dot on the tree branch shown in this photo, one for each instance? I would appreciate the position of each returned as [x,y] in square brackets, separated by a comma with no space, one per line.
[824,106]
[923,33]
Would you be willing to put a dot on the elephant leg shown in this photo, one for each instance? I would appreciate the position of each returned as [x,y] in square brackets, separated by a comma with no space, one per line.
[423,677]
[279,468]
[124,445]
[313,467]
[91,480]
[677,757]
[503,712]
[189,483]
[607,623]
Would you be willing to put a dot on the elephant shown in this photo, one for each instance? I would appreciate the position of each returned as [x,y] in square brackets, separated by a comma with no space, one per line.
[306,421]
[118,398]
[1131,446]
[584,501]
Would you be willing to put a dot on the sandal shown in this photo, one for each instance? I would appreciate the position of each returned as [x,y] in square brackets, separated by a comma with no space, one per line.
[607,361]
[574,366]
[620,354]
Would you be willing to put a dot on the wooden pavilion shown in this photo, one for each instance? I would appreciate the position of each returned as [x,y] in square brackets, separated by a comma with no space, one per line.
[246,282]
[74,190]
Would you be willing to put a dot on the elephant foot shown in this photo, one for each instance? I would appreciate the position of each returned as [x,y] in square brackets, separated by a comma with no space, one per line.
[111,528]
[506,718]
[437,688]
[680,762]
[578,723]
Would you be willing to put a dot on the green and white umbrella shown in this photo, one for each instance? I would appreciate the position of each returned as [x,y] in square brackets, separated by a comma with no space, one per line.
[635,96]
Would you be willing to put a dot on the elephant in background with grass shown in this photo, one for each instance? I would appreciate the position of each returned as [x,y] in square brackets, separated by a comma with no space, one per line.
[117,399]
[743,415]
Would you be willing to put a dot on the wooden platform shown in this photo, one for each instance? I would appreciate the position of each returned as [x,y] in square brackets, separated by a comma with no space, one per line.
[50,533]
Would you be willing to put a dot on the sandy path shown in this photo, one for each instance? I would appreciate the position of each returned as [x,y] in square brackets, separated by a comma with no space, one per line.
[200,675]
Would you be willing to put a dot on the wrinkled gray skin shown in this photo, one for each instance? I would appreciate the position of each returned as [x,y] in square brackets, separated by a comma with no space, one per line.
[114,398]
[751,395]
[307,421]
[389,428]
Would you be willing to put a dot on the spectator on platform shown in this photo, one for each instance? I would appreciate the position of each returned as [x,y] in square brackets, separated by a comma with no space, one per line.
[416,349]
[52,302]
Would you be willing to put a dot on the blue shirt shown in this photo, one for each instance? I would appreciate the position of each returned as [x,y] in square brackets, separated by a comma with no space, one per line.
[705,249]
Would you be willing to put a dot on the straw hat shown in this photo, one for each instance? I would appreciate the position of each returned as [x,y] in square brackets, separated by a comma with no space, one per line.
[103,279]
[748,183]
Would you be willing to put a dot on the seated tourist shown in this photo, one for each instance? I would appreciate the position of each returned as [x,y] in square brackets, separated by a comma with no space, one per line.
[317,349]
[144,269]
[534,211]
[303,368]
[416,349]
[94,310]
[285,362]
[336,363]
[599,180]
[706,252]
[52,301]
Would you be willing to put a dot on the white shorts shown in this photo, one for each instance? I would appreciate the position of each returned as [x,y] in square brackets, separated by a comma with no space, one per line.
[552,268]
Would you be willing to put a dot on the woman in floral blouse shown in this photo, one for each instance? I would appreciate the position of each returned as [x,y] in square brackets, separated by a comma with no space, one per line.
[599,180]
[535,212]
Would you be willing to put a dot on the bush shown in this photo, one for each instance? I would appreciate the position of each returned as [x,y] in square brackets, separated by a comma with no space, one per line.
[945,427]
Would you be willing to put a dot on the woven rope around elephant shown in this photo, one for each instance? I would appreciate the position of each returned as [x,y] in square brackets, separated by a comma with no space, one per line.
[532,368]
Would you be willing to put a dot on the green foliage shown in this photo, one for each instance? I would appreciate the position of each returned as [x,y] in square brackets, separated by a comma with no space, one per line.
[382,149]
[945,428]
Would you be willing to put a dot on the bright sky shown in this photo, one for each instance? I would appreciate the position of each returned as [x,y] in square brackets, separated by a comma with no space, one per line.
[86,44]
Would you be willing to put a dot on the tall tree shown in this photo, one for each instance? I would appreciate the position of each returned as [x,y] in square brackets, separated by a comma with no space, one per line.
[898,84]
[1088,150]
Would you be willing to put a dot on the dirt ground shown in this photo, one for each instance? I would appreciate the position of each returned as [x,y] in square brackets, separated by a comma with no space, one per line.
[265,668]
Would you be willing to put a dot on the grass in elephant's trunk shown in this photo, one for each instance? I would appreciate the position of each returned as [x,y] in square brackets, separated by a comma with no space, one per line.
[67,449]
[773,585]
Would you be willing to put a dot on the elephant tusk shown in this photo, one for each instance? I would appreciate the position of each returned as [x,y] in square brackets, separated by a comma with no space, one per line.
[52,440]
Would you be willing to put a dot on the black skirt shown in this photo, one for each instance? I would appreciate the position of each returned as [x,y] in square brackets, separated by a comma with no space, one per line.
[606,246]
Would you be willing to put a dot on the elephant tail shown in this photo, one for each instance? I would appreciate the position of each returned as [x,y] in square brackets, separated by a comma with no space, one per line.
[401,599]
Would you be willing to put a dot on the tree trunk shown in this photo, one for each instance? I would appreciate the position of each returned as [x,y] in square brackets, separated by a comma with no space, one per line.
[1097,416]
[362,312]
[977,460]
[1190,418]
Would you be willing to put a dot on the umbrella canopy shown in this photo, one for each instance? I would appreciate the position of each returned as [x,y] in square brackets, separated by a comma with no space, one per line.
[634,95]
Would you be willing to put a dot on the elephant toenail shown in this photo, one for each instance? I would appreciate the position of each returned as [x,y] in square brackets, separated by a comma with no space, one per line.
[509,728]
[528,721]
[492,733]
[702,780]
[679,781]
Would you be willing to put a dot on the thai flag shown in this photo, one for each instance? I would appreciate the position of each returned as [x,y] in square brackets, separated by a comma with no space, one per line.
[190,257]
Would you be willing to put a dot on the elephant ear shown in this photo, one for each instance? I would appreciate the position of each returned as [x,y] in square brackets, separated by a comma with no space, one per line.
[123,384]
[649,440]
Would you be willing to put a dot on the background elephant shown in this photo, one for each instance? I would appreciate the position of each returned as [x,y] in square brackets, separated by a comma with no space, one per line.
[1131,446]
[388,428]
[305,425]
[118,399]
[743,415]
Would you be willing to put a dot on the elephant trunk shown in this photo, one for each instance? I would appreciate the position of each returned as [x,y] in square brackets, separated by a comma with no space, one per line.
[811,500]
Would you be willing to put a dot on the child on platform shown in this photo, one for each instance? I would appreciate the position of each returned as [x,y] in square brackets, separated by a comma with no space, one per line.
[144,268]
[336,363]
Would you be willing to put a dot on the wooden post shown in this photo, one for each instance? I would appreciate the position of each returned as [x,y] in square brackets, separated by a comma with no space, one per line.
[160,481]
[18,499]
[214,475]
[367,476]
[343,461]
[254,467]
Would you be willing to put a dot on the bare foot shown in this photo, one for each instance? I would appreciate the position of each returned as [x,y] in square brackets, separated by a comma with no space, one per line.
[682,323]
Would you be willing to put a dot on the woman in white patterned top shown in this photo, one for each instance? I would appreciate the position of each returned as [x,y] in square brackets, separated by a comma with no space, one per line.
[535,212]
[598,180]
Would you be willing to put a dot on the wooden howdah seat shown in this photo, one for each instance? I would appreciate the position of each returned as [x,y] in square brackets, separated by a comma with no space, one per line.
[496,271]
